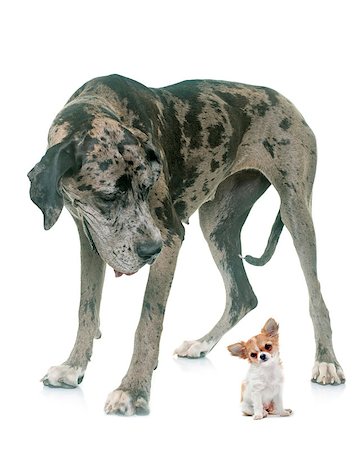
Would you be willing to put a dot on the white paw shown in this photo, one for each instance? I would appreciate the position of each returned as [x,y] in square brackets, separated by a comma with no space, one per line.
[327,373]
[122,402]
[193,349]
[63,376]
[286,412]
[260,416]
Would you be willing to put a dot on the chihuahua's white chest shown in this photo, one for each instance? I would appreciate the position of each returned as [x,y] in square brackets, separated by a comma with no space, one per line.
[262,388]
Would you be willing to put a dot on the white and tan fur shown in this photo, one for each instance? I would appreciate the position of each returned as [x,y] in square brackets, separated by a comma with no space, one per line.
[262,388]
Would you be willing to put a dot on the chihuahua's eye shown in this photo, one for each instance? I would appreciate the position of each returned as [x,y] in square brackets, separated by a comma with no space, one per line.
[268,347]
[253,355]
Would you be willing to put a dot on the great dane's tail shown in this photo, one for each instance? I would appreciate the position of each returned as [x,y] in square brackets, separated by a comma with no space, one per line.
[271,244]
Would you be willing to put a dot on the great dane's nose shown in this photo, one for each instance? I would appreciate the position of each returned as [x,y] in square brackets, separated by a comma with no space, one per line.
[147,249]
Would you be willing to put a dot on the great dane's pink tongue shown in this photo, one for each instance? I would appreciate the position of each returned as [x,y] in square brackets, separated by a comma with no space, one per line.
[119,274]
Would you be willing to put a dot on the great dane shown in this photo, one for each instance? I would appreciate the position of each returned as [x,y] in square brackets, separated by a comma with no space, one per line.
[132,164]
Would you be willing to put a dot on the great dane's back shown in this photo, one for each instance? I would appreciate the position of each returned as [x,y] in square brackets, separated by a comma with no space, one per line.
[132,164]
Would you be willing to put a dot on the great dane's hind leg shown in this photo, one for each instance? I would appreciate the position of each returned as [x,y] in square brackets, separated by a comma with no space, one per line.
[71,372]
[327,369]
[221,221]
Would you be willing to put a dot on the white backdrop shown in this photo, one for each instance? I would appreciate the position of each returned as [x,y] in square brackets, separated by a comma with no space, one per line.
[307,50]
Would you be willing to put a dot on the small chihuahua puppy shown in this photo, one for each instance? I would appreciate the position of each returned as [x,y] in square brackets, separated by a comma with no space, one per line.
[262,389]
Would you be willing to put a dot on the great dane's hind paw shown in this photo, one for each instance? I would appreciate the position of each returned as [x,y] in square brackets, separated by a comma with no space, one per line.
[327,373]
[63,376]
[122,402]
[193,349]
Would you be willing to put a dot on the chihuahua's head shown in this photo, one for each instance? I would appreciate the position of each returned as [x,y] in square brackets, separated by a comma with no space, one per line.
[260,349]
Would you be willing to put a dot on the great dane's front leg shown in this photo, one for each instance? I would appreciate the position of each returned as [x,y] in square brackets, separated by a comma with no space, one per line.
[71,372]
[132,396]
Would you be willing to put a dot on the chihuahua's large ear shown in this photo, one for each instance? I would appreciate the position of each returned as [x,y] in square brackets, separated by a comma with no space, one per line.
[238,349]
[45,177]
[270,328]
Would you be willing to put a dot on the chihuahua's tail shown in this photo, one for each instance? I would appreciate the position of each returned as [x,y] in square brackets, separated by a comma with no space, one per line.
[271,244]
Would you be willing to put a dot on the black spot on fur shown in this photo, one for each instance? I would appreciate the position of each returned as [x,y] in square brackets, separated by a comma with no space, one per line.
[205,188]
[171,140]
[216,135]
[85,187]
[123,183]
[189,92]
[104,165]
[269,147]
[239,119]
[77,116]
[192,126]
[285,124]
[151,154]
[291,186]
[180,208]
[166,214]
[237,101]
[140,168]
[284,142]
[214,165]
[262,108]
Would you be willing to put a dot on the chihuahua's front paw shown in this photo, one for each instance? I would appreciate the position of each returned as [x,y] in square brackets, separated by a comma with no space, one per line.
[286,412]
[63,376]
[327,373]
[260,416]
[193,349]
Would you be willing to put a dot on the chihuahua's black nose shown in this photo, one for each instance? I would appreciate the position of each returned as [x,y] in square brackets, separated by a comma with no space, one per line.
[263,356]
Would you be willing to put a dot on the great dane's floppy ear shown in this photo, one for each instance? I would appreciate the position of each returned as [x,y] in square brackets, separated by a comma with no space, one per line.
[45,177]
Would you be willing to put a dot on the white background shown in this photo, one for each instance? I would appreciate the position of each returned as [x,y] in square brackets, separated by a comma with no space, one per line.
[309,51]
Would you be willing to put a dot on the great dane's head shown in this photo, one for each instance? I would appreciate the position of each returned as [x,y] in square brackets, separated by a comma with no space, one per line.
[103,172]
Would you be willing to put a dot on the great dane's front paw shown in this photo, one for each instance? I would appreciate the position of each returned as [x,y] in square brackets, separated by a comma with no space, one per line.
[193,349]
[327,373]
[63,376]
[125,403]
